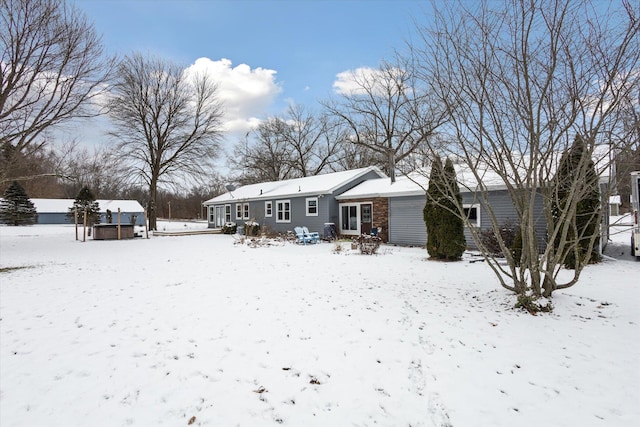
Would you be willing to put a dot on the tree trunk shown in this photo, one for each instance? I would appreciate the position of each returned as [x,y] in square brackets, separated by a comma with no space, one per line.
[391,162]
[153,212]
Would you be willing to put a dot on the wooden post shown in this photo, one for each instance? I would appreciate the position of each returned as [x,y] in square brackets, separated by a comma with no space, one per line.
[84,226]
[75,219]
[146,227]
[118,223]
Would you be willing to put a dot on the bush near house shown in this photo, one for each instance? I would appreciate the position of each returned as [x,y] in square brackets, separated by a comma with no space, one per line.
[445,228]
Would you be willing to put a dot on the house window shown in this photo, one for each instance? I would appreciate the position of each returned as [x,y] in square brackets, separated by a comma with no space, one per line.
[312,206]
[212,218]
[245,210]
[366,213]
[242,210]
[227,213]
[473,214]
[283,211]
[349,219]
[268,209]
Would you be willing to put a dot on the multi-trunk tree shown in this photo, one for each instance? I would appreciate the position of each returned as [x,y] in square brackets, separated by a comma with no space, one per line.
[518,81]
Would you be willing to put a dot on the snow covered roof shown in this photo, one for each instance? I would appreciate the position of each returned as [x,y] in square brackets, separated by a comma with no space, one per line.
[296,187]
[63,205]
[417,182]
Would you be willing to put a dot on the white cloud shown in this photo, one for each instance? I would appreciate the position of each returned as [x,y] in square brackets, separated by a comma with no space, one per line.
[366,80]
[350,81]
[245,93]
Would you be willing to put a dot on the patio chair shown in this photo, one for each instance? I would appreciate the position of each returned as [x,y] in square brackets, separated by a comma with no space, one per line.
[313,234]
[303,236]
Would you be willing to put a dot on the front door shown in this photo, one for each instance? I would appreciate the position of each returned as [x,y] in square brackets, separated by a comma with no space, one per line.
[219,216]
[365,218]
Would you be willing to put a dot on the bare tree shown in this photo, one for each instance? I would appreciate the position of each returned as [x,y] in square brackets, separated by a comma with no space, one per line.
[97,168]
[314,142]
[295,144]
[52,70]
[262,155]
[168,123]
[388,112]
[519,83]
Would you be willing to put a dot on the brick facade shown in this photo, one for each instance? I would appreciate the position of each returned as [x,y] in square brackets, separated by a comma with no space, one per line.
[380,214]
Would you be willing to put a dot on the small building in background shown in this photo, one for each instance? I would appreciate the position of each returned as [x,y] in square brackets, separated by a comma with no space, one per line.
[55,211]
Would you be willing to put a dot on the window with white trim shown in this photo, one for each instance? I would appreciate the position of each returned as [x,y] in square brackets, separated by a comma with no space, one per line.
[245,210]
[473,214]
[227,213]
[312,206]
[268,209]
[283,211]
[238,210]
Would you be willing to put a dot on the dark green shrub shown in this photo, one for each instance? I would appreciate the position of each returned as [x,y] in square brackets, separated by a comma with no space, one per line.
[16,208]
[229,228]
[445,228]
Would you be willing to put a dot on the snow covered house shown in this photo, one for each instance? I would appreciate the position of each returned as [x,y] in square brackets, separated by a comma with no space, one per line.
[396,209]
[54,211]
[283,205]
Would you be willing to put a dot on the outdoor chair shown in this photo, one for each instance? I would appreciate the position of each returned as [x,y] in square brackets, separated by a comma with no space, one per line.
[313,234]
[305,237]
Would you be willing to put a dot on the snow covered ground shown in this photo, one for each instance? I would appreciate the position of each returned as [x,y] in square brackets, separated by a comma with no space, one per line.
[196,330]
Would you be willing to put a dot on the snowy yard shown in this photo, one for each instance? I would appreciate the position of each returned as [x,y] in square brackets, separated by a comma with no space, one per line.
[194,329]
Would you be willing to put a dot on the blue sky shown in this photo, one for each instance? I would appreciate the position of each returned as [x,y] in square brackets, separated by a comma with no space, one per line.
[300,46]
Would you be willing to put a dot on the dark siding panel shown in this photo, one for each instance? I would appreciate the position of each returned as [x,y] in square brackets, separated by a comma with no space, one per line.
[406,222]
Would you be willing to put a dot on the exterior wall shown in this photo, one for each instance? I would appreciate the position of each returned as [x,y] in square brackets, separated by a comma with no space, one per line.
[327,209]
[61,218]
[54,218]
[406,221]
[379,216]
[299,217]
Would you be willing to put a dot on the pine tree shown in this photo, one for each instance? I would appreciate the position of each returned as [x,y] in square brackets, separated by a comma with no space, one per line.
[584,226]
[445,228]
[86,200]
[16,208]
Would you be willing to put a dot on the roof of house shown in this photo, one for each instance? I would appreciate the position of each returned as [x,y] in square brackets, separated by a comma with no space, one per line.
[63,205]
[416,183]
[296,187]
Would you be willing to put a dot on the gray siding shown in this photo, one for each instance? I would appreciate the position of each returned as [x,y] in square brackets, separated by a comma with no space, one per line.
[327,209]
[62,218]
[298,214]
[406,222]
